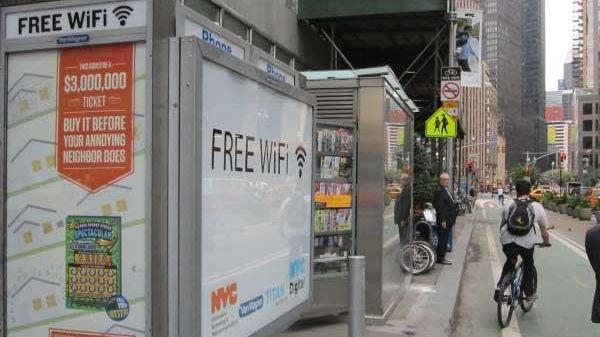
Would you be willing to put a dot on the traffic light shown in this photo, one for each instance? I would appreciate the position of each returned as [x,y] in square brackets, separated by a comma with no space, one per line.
[563,157]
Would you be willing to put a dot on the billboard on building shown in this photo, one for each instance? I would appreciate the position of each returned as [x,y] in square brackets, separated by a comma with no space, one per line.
[554,113]
[551,134]
[468,46]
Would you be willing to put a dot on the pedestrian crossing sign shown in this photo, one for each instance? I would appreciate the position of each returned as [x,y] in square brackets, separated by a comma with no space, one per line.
[441,125]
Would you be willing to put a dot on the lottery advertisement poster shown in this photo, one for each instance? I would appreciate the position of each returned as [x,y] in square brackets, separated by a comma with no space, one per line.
[95,120]
[76,191]
[93,260]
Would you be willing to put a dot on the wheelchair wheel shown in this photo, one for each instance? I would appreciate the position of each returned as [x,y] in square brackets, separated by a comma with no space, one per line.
[416,258]
[431,251]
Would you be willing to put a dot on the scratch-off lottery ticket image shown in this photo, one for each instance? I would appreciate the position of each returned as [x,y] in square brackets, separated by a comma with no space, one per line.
[93,259]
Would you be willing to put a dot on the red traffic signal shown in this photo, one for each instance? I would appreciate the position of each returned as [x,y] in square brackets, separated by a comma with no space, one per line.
[563,156]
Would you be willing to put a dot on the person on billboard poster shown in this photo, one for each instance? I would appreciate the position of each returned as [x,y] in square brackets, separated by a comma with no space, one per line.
[464,48]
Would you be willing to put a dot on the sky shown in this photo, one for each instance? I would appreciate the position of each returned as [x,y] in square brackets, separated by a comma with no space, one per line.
[558,39]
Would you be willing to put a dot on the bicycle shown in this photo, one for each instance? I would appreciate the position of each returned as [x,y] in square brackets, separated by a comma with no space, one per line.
[511,293]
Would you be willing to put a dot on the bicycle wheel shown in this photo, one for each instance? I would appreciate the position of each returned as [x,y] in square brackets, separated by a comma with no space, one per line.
[526,305]
[505,305]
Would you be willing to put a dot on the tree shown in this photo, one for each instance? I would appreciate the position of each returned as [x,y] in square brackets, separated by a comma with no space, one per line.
[425,175]
[527,172]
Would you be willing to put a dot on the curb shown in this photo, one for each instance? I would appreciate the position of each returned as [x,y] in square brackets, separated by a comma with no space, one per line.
[442,305]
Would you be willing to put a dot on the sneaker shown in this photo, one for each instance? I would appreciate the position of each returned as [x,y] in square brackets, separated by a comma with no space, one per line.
[497,295]
[445,262]
[532,298]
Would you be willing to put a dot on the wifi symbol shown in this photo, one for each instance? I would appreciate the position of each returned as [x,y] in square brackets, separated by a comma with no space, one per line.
[301,158]
[122,13]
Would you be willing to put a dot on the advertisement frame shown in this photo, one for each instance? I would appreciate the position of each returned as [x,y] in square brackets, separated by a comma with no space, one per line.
[472,78]
[7,47]
[193,52]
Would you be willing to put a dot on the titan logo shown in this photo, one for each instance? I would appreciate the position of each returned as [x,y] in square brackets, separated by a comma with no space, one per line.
[221,297]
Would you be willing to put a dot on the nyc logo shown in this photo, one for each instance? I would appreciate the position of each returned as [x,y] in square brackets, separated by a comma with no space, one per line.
[220,298]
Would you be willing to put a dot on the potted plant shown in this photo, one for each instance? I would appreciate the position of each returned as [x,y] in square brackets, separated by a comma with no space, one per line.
[387,198]
[596,212]
[572,204]
[552,201]
[585,210]
[562,204]
[547,200]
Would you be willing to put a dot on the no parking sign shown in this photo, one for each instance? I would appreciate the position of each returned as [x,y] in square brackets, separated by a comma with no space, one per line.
[450,88]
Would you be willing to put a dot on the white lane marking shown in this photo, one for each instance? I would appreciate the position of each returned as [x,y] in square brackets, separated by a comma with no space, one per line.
[572,245]
[513,329]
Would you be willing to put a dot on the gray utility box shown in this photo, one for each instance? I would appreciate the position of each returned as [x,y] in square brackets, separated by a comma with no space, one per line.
[372,102]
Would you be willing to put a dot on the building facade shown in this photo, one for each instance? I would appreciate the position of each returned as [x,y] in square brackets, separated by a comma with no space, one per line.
[586,137]
[514,51]
[559,140]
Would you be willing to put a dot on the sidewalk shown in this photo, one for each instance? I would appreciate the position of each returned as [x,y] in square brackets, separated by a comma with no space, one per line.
[570,228]
[426,310]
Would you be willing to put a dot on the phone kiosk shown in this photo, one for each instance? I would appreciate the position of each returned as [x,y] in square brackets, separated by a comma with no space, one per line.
[81,192]
[373,117]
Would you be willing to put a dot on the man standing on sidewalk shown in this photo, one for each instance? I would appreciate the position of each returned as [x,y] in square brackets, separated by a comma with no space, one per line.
[402,209]
[445,209]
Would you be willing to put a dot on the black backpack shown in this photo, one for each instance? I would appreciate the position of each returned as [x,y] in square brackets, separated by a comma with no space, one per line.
[520,217]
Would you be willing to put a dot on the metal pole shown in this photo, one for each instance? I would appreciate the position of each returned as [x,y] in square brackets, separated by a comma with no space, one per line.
[356,322]
[452,49]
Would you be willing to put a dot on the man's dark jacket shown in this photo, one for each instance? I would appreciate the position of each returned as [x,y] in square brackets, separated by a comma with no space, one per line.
[402,206]
[445,208]
[592,248]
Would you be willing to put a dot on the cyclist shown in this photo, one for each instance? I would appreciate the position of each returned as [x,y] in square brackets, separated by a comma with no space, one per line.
[518,236]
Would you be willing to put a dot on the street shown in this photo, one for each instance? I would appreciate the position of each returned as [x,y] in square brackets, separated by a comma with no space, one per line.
[565,281]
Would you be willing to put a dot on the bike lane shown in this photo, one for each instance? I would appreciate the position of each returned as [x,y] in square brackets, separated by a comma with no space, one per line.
[565,286]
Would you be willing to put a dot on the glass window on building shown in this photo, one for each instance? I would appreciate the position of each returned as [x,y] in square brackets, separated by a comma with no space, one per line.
[587,108]
[206,8]
[588,125]
[261,42]
[235,26]
[587,143]
[283,56]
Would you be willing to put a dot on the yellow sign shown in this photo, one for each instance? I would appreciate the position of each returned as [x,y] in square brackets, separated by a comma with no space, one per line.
[551,134]
[450,104]
[400,136]
[334,201]
[441,125]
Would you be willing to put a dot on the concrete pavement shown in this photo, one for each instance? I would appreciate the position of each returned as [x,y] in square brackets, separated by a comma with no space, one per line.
[426,310]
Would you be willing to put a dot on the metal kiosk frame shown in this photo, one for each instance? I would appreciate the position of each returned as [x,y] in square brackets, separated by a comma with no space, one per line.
[359,97]
[185,135]
[180,302]
[50,42]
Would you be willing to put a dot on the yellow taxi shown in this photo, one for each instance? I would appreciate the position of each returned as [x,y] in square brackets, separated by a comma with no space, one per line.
[539,192]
